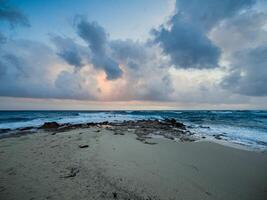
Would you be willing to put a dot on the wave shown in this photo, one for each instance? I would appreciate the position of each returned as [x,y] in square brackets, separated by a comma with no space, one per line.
[14,119]
[246,127]
[81,117]
[222,112]
[256,139]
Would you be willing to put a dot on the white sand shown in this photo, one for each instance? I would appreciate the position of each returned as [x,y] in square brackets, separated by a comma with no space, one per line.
[37,166]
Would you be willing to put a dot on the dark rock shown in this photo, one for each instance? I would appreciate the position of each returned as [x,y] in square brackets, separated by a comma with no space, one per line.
[172,121]
[151,143]
[2,188]
[187,139]
[91,124]
[50,125]
[83,146]
[207,127]
[218,137]
[26,128]
[176,124]
[4,130]
[73,172]
[140,139]
[115,195]
[169,137]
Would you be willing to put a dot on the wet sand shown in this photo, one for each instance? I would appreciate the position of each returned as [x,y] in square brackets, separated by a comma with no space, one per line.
[46,165]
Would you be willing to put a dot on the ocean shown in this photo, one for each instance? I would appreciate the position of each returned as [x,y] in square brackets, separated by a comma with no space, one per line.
[247,128]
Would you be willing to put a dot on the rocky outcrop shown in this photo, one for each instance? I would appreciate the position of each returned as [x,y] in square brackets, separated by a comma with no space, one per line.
[50,125]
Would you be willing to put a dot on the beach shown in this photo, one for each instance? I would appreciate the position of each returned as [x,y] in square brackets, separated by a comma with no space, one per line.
[100,162]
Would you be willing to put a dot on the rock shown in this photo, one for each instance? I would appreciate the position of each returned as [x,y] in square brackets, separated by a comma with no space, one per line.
[115,195]
[83,146]
[169,137]
[26,128]
[140,139]
[207,127]
[73,172]
[172,121]
[2,188]
[151,143]
[4,130]
[50,125]
[218,137]
[91,124]
[175,123]
[180,125]
[186,139]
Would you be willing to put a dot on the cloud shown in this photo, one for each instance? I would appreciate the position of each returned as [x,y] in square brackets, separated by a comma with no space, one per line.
[207,13]
[248,73]
[32,69]
[70,51]
[242,31]
[207,50]
[243,39]
[187,46]
[130,53]
[146,75]
[12,16]
[185,38]
[97,40]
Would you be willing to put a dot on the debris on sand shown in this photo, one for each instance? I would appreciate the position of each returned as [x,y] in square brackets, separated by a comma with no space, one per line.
[83,146]
[115,195]
[73,171]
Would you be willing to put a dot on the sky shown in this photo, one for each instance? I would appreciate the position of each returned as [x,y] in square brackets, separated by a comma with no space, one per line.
[142,54]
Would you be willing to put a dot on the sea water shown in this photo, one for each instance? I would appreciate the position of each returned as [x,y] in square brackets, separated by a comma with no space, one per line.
[248,128]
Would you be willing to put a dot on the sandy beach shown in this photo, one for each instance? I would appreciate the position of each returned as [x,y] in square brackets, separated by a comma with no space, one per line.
[98,163]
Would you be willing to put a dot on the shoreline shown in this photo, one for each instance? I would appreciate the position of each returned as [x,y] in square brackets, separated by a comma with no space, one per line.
[169,129]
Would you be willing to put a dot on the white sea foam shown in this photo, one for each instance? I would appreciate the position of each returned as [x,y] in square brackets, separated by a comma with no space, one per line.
[248,130]
[221,112]
[80,118]
[233,134]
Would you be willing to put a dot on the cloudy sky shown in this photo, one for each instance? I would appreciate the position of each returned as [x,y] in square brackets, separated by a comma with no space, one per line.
[142,54]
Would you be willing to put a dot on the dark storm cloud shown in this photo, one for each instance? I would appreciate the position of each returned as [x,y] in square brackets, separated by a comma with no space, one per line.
[186,40]
[96,38]
[69,50]
[248,75]
[187,46]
